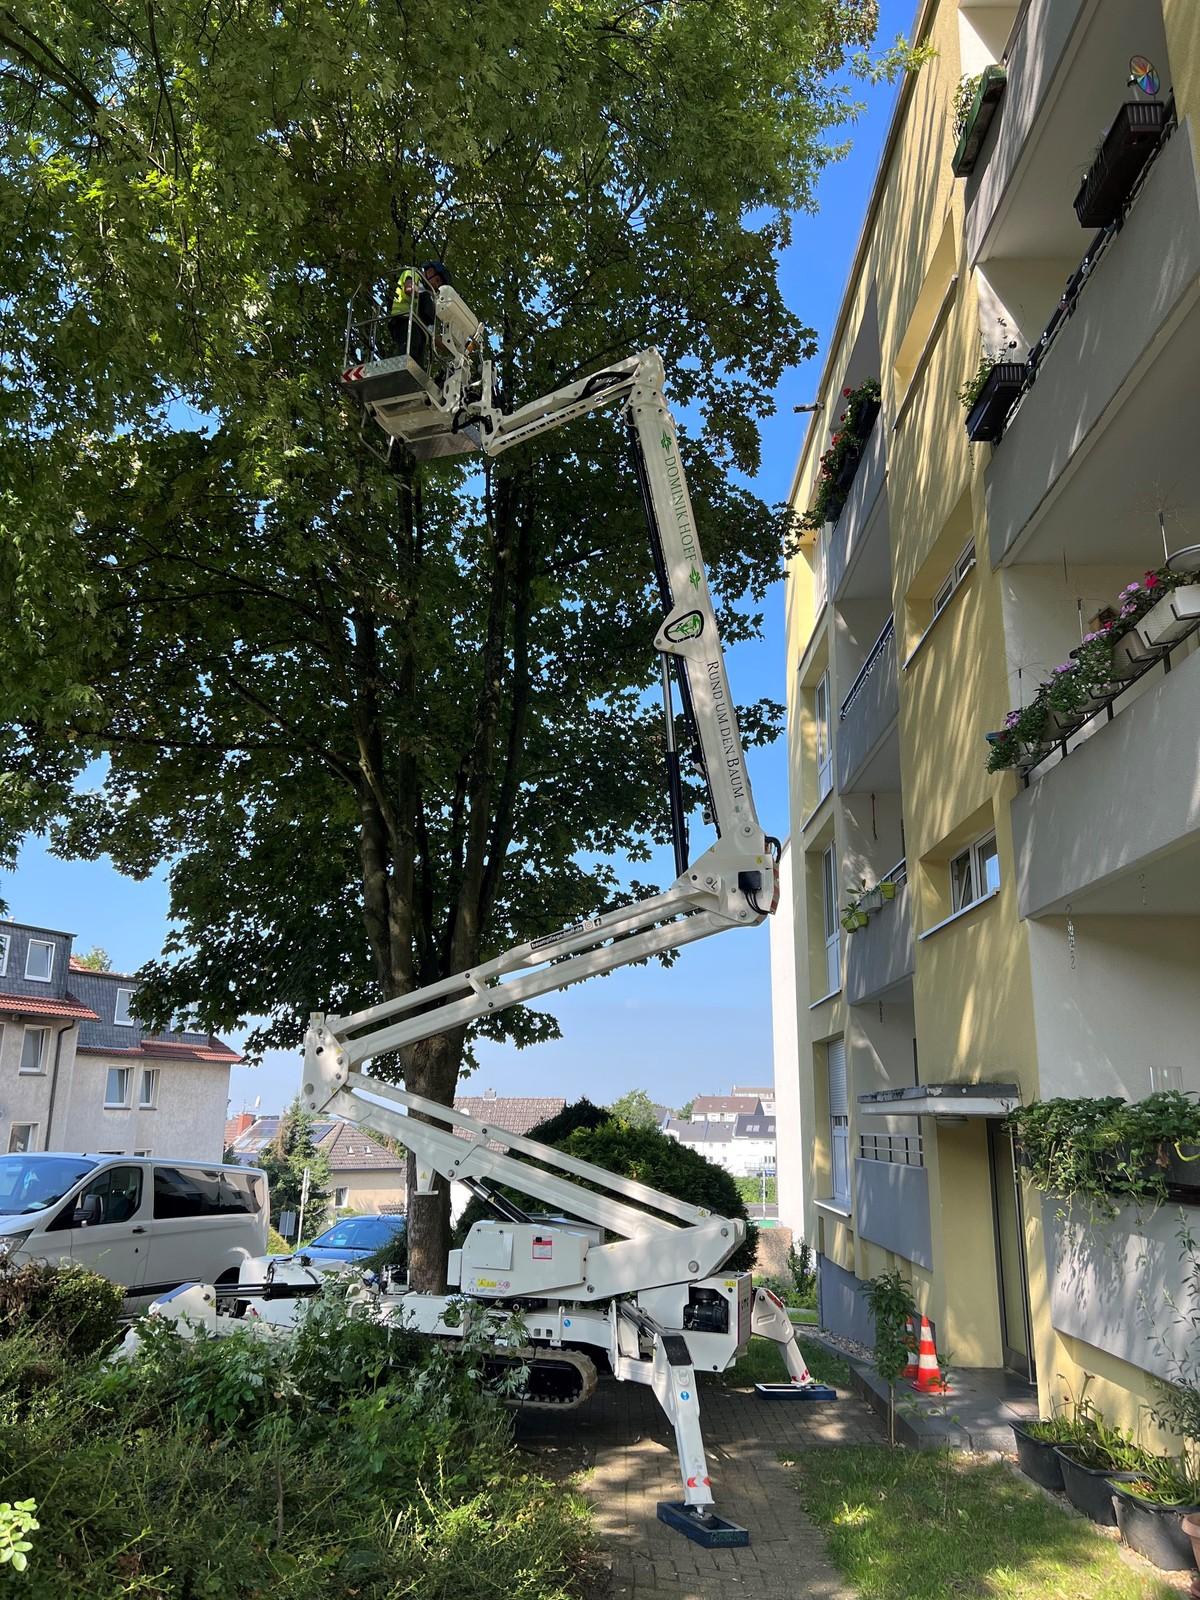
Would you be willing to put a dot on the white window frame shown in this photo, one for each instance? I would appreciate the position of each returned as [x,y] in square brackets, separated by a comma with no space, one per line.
[41,944]
[340,1196]
[40,1070]
[126,1021]
[154,1075]
[117,1105]
[833,927]
[5,942]
[974,856]
[145,1153]
[821,716]
[27,1149]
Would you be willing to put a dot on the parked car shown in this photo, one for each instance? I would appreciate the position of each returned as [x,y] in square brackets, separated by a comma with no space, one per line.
[147,1223]
[354,1238]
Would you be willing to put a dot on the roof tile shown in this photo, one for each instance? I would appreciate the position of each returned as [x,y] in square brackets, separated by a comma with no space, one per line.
[27,1006]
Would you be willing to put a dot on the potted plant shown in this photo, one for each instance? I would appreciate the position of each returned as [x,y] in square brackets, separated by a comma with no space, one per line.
[1150,1509]
[1118,161]
[1091,1465]
[990,392]
[1038,1442]
[974,108]
[1173,617]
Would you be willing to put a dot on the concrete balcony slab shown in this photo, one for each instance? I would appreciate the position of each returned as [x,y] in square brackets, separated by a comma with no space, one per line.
[1115,826]
[879,957]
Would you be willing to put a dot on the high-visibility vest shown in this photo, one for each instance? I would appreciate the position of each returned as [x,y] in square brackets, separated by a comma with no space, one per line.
[408,287]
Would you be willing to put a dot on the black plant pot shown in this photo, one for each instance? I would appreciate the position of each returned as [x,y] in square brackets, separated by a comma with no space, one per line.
[846,472]
[1089,1489]
[1183,1175]
[986,418]
[1038,1459]
[1127,147]
[1155,1531]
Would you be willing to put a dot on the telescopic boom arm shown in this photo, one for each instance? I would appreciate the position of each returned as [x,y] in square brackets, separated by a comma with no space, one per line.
[733,883]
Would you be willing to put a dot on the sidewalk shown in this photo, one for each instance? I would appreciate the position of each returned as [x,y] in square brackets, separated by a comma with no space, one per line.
[622,1436]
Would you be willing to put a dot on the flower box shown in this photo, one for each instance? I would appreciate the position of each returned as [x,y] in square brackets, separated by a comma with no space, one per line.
[1173,618]
[1038,1458]
[1127,147]
[986,418]
[1153,1529]
[978,120]
[1132,654]
[1090,1489]
[846,473]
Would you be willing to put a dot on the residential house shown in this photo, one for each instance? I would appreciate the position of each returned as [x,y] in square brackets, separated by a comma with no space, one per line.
[366,1175]
[745,1146]
[79,1072]
[1031,932]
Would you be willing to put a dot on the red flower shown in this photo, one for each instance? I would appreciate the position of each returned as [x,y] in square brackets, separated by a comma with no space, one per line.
[1153,580]
[846,393]
[842,418]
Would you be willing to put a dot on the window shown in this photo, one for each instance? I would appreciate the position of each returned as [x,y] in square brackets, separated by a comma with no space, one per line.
[4,940]
[148,1098]
[121,1015]
[203,1192]
[116,1088]
[340,1196]
[954,577]
[974,873]
[141,1152]
[33,1049]
[113,1196]
[829,907]
[39,960]
[824,742]
[22,1138]
[839,1121]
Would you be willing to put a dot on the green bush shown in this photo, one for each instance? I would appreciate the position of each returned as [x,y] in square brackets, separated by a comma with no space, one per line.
[593,1134]
[352,1459]
[74,1307]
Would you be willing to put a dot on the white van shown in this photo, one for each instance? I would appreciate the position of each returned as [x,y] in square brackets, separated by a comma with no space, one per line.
[147,1223]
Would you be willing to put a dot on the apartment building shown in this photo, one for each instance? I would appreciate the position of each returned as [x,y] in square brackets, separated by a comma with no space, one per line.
[969,939]
[79,1072]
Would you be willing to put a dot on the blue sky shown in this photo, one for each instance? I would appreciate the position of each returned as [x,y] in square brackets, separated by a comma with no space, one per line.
[704,1024]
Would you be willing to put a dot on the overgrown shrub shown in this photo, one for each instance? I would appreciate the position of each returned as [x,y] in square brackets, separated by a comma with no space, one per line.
[352,1459]
[77,1308]
[593,1134]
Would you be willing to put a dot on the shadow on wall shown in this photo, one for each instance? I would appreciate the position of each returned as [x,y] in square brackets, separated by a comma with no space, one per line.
[1124,1285]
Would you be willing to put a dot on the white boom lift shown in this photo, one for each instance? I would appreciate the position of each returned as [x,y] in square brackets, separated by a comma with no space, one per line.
[616,1267]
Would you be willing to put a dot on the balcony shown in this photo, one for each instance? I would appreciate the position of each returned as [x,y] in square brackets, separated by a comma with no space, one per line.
[859,556]
[866,745]
[1118,381]
[1066,65]
[879,957]
[1114,828]
[891,1208]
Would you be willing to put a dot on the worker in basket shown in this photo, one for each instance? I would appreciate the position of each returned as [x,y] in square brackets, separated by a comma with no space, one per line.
[412,313]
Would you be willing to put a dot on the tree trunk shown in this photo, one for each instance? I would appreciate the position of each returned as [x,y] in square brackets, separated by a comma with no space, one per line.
[430,1069]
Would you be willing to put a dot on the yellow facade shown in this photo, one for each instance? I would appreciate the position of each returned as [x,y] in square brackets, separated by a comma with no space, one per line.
[1044,936]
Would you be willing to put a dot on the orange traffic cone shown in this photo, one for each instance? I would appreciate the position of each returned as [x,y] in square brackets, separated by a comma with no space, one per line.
[929,1376]
[912,1370]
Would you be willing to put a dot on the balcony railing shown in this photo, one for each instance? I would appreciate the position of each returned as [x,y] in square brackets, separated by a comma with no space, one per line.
[874,656]
[1078,281]
[1107,706]
[903,1149]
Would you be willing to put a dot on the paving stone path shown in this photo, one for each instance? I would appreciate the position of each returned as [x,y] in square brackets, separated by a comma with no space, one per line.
[620,1439]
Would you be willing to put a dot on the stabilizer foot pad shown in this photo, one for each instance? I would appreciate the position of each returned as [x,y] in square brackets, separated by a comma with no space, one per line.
[796,1391]
[707,1529]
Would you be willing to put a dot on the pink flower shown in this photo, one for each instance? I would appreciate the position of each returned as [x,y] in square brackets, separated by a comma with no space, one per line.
[1067,666]
[1131,588]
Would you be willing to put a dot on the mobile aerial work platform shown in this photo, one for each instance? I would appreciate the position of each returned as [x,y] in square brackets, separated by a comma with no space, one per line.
[603,1263]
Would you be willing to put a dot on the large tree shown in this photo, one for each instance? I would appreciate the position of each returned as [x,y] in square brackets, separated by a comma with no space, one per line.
[381,724]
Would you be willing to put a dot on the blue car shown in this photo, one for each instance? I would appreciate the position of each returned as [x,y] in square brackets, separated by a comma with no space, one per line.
[354,1238]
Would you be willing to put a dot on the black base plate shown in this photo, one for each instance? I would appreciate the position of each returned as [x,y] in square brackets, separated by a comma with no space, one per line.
[711,1531]
[796,1391]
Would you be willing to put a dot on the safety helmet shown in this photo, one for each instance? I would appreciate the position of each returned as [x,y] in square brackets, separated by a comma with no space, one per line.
[440,268]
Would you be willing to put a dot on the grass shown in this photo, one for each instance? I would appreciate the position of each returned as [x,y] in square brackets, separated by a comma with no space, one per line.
[763,1363]
[935,1525]
[803,1316]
